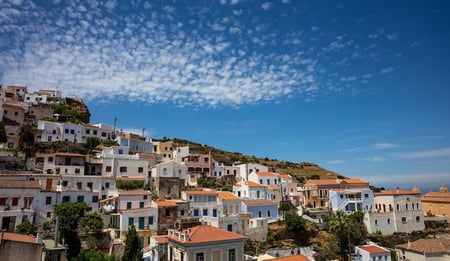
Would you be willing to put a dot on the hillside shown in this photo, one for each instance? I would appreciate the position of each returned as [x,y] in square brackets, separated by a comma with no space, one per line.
[300,171]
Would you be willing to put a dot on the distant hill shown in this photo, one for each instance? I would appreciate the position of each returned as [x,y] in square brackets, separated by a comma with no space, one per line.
[300,171]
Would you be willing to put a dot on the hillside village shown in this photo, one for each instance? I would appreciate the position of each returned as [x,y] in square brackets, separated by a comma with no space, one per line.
[185,201]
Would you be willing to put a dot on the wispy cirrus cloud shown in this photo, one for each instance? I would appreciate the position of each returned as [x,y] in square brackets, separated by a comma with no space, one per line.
[383,146]
[445,152]
[335,161]
[374,159]
[164,54]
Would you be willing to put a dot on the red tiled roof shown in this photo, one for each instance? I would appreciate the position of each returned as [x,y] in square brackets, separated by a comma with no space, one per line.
[355,181]
[285,176]
[136,209]
[441,197]
[273,187]
[373,249]
[166,203]
[226,195]
[17,237]
[290,258]
[432,245]
[161,239]
[205,234]
[67,154]
[252,184]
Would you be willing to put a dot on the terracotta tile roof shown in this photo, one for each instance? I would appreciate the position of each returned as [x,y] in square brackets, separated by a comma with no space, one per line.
[266,174]
[373,249]
[166,203]
[134,192]
[441,197]
[256,202]
[290,258]
[427,246]
[108,199]
[226,195]
[355,181]
[207,234]
[393,192]
[253,184]
[273,187]
[17,237]
[7,183]
[285,176]
[161,239]
[137,209]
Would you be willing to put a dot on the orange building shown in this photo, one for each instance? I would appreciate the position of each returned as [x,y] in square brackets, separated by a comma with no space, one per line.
[437,203]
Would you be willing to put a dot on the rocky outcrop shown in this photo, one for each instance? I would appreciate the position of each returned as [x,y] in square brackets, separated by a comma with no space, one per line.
[80,108]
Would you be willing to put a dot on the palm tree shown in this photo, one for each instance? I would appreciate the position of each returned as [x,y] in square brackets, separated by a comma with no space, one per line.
[339,224]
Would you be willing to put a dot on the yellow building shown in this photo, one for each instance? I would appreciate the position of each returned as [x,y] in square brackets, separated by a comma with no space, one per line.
[437,203]
[165,149]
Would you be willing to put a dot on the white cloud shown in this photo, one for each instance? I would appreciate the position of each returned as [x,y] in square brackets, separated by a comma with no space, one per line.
[335,161]
[267,5]
[374,159]
[414,44]
[393,36]
[382,146]
[423,154]
[387,70]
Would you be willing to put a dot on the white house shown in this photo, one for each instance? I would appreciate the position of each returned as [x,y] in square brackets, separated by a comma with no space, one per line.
[264,178]
[351,200]
[117,162]
[17,199]
[395,211]
[248,168]
[134,207]
[63,163]
[250,190]
[371,253]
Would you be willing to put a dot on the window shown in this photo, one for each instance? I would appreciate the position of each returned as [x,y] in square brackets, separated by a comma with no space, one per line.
[89,185]
[376,222]
[145,197]
[15,201]
[49,214]
[141,223]
[108,168]
[88,131]
[50,159]
[3,201]
[195,212]
[366,195]
[72,131]
[130,221]
[268,213]
[404,220]
[66,199]
[417,218]
[120,151]
[48,200]
[140,169]
[128,205]
[123,169]
[141,204]
[66,131]
[77,171]
[232,254]
[103,134]
[79,185]
[165,171]
[259,214]
[205,212]
[398,207]
[150,220]
[80,199]
[94,199]
[200,257]
[49,138]
[107,185]
[214,212]
[389,221]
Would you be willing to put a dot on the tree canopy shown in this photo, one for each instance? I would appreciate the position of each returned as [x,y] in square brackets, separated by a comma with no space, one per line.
[133,249]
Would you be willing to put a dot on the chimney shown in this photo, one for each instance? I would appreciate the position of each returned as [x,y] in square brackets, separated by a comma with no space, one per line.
[443,189]
[415,189]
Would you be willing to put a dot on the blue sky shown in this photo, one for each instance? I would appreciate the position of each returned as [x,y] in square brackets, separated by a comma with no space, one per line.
[359,87]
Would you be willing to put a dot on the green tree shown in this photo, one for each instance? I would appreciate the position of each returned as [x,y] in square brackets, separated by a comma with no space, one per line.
[109,143]
[25,227]
[3,137]
[133,249]
[339,225]
[69,215]
[26,140]
[296,225]
[92,222]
